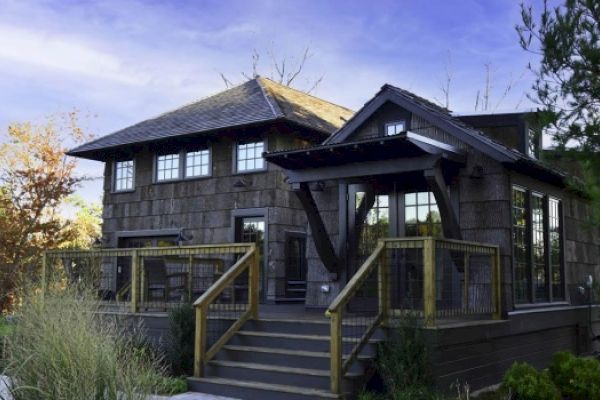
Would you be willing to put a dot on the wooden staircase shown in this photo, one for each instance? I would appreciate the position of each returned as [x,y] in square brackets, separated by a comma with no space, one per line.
[281,358]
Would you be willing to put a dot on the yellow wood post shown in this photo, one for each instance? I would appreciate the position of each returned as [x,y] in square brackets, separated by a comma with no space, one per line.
[467,259]
[143,291]
[200,341]
[384,286]
[429,295]
[135,281]
[496,284]
[253,281]
[190,278]
[336,351]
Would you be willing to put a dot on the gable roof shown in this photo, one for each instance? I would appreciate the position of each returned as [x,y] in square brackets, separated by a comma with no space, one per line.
[255,101]
[430,112]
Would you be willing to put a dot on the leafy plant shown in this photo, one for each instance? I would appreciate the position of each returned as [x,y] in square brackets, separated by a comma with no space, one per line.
[180,346]
[526,383]
[403,362]
[576,377]
[170,386]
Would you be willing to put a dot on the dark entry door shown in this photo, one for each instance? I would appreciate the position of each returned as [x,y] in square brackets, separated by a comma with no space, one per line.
[295,266]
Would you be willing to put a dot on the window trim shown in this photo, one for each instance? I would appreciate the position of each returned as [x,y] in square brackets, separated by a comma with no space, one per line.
[114,176]
[184,161]
[182,165]
[235,170]
[531,300]
[396,122]
[162,154]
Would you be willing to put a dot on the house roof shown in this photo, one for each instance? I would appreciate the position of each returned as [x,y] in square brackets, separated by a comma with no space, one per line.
[443,118]
[255,101]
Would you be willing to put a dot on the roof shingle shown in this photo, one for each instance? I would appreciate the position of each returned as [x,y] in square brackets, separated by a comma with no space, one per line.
[257,100]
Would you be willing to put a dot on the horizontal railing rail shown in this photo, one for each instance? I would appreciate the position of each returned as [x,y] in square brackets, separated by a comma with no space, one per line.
[433,278]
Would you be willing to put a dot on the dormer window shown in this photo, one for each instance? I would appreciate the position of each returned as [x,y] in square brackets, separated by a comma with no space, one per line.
[532,144]
[395,128]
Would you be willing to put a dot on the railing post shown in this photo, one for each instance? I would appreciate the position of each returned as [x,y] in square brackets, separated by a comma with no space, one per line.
[496,284]
[429,294]
[135,281]
[253,281]
[200,341]
[336,351]
[467,259]
[190,283]
[384,286]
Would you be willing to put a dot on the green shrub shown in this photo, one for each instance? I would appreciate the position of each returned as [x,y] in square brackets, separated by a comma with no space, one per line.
[403,363]
[180,346]
[526,383]
[576,377]
[61,349]
[170,386]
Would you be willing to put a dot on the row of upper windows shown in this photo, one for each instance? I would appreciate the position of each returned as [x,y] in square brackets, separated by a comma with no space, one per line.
[189,164]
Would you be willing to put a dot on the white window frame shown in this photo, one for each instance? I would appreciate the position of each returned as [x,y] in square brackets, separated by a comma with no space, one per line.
[129,183]
[237,160]
[394,124]
[158,170]
[208,163]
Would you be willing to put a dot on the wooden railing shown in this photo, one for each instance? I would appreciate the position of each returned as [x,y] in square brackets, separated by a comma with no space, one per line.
[393,281]
[249,263]
[89,264]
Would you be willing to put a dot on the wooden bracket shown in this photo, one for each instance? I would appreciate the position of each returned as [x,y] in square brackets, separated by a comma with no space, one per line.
[437,185]
[319,232]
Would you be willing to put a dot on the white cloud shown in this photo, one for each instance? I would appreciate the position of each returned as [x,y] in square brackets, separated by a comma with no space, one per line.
[64,54]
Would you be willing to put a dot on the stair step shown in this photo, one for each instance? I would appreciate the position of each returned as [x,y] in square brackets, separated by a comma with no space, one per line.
[303,377]
[290,299]
[293,341]
[284,357]
[256,390]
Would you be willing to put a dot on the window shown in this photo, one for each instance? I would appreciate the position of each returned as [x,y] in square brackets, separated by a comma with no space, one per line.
[375,224]
[532,143]
[197,163]
[394,128]
[167,167]
[124,175]
[249,156]
[521,281]
[537,247]
[421,215]
[554,236]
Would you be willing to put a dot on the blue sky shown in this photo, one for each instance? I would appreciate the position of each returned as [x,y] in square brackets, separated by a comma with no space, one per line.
[127,60]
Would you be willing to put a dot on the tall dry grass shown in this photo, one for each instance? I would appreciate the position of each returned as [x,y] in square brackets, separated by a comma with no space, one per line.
[61,349]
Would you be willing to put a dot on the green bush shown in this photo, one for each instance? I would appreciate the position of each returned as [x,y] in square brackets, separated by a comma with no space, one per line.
[170,386]
[180,346]
[403,363]
[576,377]
[524,382]
[61,349]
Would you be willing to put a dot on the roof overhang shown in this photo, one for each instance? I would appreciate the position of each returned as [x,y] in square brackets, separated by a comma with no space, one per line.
[406,152]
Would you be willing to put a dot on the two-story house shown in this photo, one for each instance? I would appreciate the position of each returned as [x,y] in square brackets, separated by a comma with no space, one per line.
[197,175]
[400,207]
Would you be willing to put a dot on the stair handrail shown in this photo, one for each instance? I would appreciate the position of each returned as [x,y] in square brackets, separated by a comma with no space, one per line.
[249,261]
[338,366]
